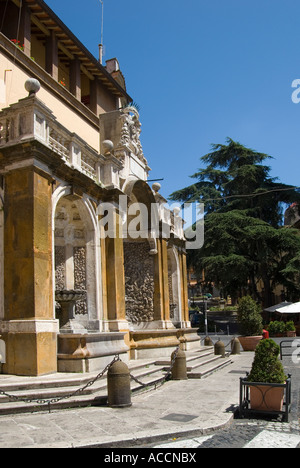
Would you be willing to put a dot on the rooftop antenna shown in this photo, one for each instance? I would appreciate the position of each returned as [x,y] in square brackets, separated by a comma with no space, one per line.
[102,27]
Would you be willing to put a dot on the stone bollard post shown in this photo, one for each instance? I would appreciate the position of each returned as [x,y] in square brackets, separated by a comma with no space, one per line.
[208,341]
[179,371]
[235,346]
[220,349]
[118,386]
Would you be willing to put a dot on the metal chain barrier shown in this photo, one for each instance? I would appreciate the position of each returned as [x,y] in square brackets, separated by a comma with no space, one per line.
[51,401]
[80,390]
[159,382]
[226,346]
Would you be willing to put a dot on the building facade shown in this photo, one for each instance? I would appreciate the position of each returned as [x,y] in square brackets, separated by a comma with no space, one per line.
[92,262]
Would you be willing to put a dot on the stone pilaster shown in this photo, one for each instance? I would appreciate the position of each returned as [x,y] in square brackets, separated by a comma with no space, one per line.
[28,328]
[161,286]
[184,288]
[115,278]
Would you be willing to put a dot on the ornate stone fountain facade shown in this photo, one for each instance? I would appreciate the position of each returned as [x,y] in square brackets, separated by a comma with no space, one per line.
[78,283]
[129,294]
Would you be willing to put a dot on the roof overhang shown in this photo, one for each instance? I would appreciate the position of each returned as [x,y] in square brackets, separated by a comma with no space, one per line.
[46,21]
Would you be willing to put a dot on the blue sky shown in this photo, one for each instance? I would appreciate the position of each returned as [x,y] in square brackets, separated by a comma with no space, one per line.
[201,71]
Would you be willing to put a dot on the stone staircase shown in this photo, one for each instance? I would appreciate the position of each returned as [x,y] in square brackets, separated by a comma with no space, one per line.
[72,390]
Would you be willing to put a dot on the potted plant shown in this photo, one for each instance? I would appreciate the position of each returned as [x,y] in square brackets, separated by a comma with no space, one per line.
[277,328]
[268,375]
[290,329]
[250,323]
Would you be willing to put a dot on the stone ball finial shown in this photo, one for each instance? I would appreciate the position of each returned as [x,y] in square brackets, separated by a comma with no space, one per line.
[156,187]
[32,86]
[108,146]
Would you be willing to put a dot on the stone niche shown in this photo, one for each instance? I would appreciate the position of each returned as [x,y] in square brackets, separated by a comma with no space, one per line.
[139,283]
[70,251]
[75,259]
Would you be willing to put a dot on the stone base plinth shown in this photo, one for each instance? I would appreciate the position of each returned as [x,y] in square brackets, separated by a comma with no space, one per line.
[189,338]
[145,344]
[30,347]
[90,352]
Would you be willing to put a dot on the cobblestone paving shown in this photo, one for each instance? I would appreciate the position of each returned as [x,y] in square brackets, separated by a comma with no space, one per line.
[250,434]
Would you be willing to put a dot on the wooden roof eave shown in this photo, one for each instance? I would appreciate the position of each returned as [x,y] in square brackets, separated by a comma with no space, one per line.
[46,20]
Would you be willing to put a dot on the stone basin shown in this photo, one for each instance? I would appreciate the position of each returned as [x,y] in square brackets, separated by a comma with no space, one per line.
[67,300]
[70,295]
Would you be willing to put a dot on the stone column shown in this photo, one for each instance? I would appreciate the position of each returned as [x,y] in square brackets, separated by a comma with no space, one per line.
[29,328]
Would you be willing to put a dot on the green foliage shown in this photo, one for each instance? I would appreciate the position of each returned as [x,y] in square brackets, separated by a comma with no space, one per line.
[276,328]
[249,317]
[244,239]
[290,326]
[266,366]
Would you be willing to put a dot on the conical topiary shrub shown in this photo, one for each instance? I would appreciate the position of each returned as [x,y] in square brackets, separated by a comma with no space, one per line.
[267,369]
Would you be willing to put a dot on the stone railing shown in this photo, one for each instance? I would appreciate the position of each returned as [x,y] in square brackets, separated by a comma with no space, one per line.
[30,119]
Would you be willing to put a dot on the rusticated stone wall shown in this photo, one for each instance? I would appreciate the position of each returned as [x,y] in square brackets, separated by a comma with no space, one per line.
[139,282]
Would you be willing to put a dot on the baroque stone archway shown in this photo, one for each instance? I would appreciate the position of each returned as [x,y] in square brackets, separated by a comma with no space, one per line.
[76,257]
[139,255]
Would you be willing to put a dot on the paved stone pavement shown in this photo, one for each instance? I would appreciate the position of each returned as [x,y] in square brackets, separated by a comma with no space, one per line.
[254,433]
[184,414]
[177,409]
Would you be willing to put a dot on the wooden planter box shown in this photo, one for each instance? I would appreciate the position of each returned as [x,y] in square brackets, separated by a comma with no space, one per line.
[256,398]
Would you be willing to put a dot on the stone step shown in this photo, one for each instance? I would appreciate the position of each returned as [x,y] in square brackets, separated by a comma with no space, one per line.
[190,356]
[202,362]
[209,368]
[93,396]
[36,383]
[13,383]
[67,386]
[19,407]
[60,386]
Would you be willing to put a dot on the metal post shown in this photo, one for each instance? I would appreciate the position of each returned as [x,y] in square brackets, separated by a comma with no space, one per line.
[206,322]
